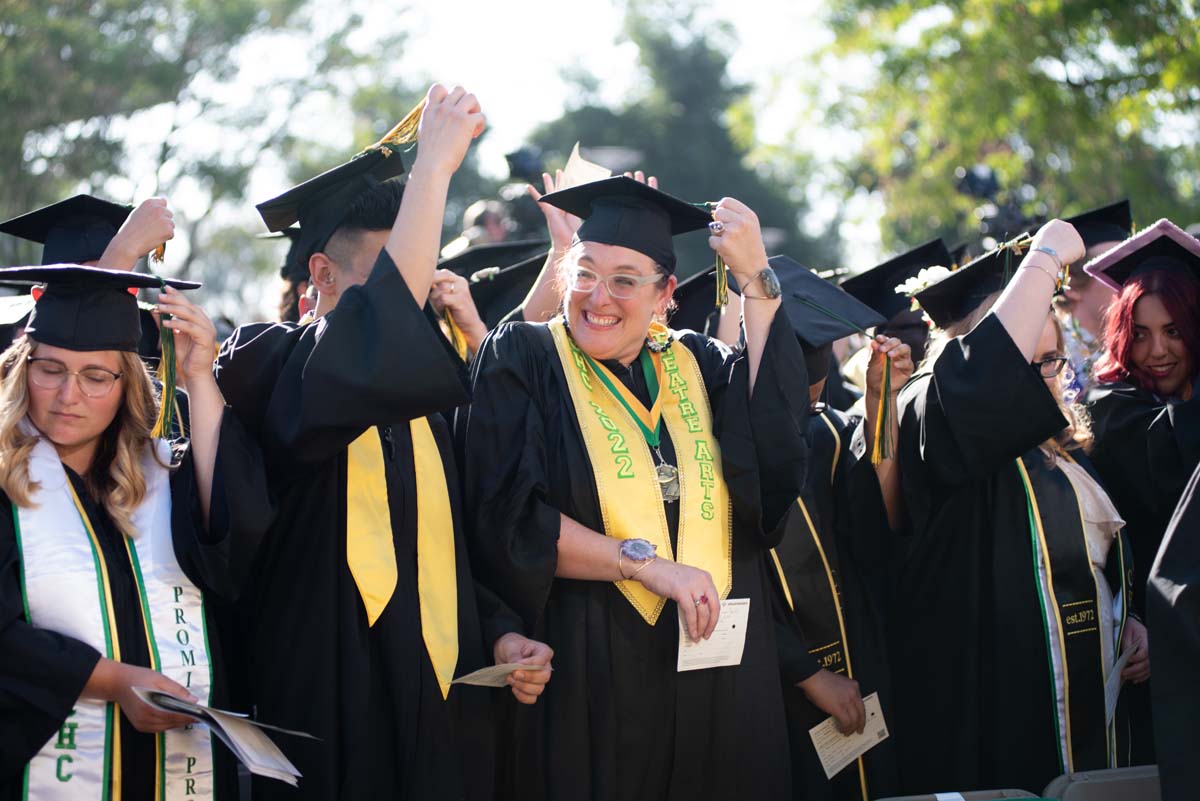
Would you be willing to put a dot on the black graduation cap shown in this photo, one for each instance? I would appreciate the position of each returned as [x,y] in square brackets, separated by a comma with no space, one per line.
[694,307]
[494,254]
[877,286]
[498,292]
[843,314]
[625,212]
[1162,246]
[86,308]
[72,231]
[958,255]
[956,295]
[320,204]
[293,269]
[1111,223]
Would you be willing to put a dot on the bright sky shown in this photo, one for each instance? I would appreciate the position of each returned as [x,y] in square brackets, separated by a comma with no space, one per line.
[512,56]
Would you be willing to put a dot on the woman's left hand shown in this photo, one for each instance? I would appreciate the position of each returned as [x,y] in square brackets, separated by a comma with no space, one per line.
[737,238]
[451,292]
[898,355]
[1136,641]
[195,336]
[526,685]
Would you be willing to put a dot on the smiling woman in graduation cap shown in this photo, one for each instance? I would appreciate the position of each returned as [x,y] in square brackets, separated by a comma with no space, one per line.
[110,545]
[1010,593]
[619,479]
[1146,410]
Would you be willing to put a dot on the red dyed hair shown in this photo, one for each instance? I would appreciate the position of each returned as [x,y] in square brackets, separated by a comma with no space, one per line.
[1179,294]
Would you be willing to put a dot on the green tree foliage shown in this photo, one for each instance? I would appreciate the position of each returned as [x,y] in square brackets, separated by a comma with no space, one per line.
[1068,103]
[690,126]
[71,72]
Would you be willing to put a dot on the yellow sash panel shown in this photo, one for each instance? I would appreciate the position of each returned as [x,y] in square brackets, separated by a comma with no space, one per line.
[437,579]
[631,503]
[371,552]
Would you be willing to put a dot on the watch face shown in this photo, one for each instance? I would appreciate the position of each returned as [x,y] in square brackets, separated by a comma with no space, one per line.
[637,550]
[770,283]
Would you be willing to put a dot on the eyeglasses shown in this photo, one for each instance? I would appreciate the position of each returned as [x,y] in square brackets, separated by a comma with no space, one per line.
[1048,368]
[621,285]
[95,382]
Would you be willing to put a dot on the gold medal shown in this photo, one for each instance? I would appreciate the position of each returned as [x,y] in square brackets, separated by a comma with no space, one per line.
[668,481]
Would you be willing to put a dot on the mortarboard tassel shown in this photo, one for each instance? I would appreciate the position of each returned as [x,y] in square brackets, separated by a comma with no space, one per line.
[404,132]
[167,410]
[458,339]
[722,270]
[159,253]
[883,447]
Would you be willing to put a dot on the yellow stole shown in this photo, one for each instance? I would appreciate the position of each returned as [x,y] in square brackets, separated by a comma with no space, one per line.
[371,552]
[631,503]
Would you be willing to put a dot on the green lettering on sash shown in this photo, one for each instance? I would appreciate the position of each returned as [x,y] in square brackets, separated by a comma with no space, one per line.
[707,510]
[65,759]
[178,593]
[66,737]
[687,409]
[191,761]
[189,786]
[181,636]
[703,453]
[179,621]
[188,683]
[189,657]
[706,472]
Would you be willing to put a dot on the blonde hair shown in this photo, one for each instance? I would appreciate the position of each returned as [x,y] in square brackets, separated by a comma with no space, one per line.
[116,480]
[1078,433]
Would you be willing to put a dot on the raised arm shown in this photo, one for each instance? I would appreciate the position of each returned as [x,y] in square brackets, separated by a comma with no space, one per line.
[195,344]
[737,238]
[450,121]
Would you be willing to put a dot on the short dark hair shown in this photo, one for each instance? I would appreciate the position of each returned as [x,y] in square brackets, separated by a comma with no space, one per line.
[375,209]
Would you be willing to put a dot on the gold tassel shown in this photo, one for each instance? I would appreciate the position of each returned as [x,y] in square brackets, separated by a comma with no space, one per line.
[722,283]
[404,132]
[159,253]
[166,379]
[882,448]
[458,340]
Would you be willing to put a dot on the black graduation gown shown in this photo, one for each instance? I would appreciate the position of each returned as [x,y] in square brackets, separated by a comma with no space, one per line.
[1173,609]
[617,720]
[1146,449]
[42,673]
[842,496]
[312,663]
[971,682]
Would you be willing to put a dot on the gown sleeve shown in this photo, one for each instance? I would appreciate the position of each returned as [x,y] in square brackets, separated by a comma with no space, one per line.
[375,359]
[42,673]
[218,557]
[763,450]
[512,527]
[796,663]
[982,407]
[1173,601]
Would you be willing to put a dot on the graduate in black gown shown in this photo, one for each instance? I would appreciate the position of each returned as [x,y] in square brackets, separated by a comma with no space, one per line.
[619,720]
[1145,409]
[831,565]
[1009,594]
[1173,614]
[363,607]
[205,517]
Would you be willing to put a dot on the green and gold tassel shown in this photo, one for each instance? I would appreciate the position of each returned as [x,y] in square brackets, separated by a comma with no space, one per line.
[883,447]
[167,410]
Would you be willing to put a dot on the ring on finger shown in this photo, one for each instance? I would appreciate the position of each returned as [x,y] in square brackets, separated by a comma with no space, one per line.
[703,599]
[717,227]
[698,601]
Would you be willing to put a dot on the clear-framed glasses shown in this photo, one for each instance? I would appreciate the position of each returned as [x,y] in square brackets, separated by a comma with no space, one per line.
[95,382]
[621,286]
[1048,368]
